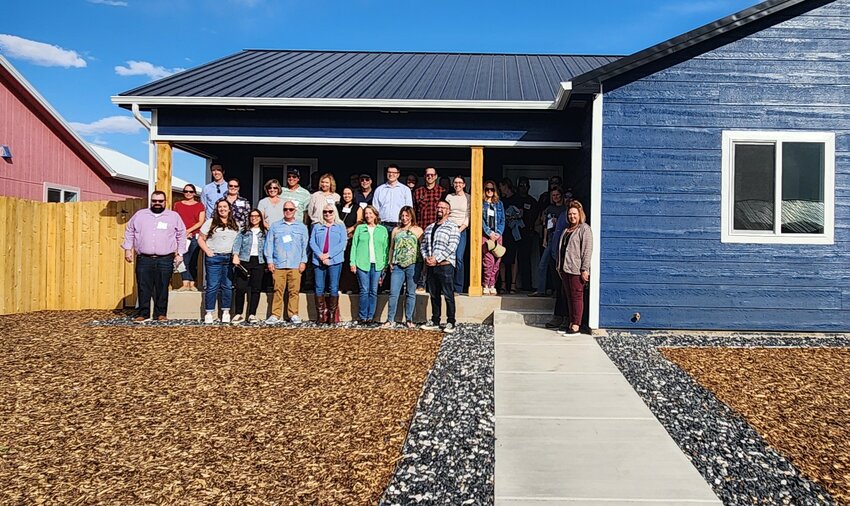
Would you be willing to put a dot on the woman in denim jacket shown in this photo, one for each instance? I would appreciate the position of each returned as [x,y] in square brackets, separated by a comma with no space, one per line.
[327,244]
[249,263]
[493,227]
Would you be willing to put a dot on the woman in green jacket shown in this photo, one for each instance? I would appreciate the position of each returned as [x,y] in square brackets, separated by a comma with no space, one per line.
[369,246]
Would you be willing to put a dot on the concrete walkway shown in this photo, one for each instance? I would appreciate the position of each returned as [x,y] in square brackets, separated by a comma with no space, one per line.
[571,430]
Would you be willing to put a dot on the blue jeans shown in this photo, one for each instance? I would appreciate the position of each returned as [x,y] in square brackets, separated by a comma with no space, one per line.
[461,251]
[543,267]
[400,276]
[219,276]
[368,281]
[327,276]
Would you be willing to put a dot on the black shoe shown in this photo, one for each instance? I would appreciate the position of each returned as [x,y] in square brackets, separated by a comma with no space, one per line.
[553,324]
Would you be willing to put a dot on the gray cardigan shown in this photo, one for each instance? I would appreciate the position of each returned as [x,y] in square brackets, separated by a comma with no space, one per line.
[579,249]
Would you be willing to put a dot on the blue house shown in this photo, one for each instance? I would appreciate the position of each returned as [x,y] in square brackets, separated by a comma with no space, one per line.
[714,165]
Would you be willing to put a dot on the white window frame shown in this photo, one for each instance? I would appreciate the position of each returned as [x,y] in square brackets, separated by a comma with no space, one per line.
[62,189]
[257,191]
[728,234]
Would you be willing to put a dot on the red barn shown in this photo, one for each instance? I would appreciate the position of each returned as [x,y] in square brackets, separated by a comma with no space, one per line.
[49,161]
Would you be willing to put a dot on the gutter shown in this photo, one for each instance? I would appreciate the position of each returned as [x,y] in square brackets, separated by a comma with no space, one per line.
[151,152]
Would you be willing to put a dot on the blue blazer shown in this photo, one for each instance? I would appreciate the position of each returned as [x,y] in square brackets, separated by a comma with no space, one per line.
[500,217]
[336,246]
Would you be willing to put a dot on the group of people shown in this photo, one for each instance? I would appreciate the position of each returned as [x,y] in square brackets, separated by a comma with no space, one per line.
[404,239]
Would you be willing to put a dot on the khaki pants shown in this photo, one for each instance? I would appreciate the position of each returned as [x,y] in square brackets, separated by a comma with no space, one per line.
[286,280]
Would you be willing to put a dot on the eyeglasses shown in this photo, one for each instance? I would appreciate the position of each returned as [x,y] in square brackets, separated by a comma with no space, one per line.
[274,188]
[218,188]
[289,209]
[157,201]
[489,189]
[256,216]
[292,176]
[233,186]
[327,212]
[392,172]
[430,175]
[188,191]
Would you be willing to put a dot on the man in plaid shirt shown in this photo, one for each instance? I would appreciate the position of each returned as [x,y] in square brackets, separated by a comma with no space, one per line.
[425,199]
[438,246]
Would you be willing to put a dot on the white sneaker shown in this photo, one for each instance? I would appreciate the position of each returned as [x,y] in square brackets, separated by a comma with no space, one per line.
[237,319]
[271,320]
[252,319]
[295,320]
[208,318]
[430,326]
[225,317]
[449,328]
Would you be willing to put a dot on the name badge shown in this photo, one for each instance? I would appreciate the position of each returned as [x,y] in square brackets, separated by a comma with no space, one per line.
[330,200]
[363,204]
[346,209]
[161,225]
[527,206]
[287,238]
[491,212]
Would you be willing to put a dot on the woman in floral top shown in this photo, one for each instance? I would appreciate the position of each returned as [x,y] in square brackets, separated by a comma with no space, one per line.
[404,249]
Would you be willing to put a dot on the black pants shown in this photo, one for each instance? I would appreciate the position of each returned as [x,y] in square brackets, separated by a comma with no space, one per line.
[249,284]
[523,261]
[441,282]
[152,278]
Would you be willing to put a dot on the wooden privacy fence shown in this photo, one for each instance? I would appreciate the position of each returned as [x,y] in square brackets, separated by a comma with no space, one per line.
[64,255]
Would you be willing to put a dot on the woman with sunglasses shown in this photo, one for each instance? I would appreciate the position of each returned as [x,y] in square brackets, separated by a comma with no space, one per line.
[249,264]
[347,210]
[216,240]
[327,244]
[192,213]
[368,260]
[493,227]
[272,206]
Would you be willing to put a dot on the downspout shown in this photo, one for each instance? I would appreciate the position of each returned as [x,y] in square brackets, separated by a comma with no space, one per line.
[151,152]
[595,208]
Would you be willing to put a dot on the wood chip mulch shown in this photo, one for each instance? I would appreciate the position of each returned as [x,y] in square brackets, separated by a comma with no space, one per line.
[798,399]
[143,415]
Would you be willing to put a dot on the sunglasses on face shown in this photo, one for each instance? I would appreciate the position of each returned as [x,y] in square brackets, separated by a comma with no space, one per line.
[392,172]
[288,209]
[489,189]
[233,186]
[327,212]
[430,175]
[273,188]
[293,176]
[188,191]
[157,201]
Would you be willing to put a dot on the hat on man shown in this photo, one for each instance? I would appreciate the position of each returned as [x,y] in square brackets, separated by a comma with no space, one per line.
[293,171]
[497,249]
[365,176]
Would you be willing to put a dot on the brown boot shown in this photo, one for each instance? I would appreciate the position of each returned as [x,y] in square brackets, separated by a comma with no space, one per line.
[321,310]
[333,309]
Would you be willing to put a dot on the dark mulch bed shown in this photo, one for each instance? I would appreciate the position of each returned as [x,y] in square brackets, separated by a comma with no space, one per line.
[798,399]
[162,414]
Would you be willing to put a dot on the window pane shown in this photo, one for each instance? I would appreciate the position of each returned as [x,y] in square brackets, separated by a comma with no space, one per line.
[54,195]
[755,176]
[802,187]
[70,196]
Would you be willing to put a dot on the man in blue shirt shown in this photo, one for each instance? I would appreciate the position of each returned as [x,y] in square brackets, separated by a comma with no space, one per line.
[215,190]
[286,253]
[390,197]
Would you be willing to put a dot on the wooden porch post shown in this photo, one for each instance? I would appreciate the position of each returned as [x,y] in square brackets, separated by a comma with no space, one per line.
[476,192]
[163,170]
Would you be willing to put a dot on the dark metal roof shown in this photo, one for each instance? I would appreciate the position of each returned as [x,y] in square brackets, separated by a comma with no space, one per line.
[694,42]
[376,76]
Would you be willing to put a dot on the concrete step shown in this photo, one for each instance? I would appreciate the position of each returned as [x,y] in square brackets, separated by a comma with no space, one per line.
[522,302]
[534,317]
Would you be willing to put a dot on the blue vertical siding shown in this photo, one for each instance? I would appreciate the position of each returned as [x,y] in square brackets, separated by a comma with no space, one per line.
[660,238]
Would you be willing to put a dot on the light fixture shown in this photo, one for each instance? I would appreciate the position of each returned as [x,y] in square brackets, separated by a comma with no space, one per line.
[5,152]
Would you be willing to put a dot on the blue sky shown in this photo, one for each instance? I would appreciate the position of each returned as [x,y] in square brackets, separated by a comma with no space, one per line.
[78,53]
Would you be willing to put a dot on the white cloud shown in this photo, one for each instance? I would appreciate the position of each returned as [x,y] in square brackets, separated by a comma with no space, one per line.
[113,3]
[108,125]
[143,68]
[39,53]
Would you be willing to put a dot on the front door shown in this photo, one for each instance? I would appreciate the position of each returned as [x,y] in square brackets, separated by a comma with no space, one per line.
[276,168]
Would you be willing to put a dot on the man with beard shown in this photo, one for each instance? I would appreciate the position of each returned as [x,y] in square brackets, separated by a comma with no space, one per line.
[157,237]
[438,245]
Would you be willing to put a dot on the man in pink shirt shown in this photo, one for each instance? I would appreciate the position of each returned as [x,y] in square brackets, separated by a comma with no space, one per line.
[156,237]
